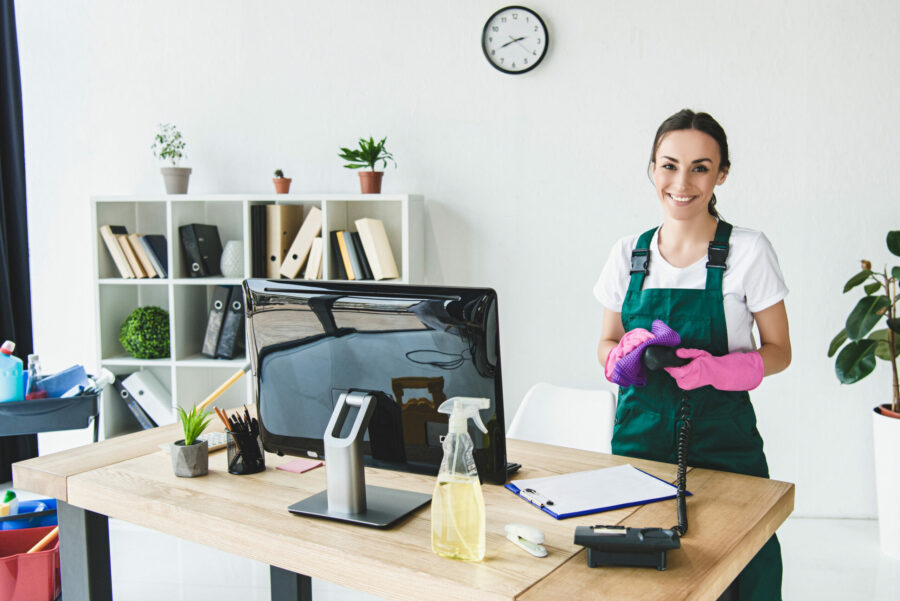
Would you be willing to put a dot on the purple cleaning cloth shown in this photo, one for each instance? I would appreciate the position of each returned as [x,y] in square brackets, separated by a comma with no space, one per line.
[630,370]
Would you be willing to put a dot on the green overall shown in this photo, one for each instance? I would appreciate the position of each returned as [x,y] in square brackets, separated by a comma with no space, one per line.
[724,434]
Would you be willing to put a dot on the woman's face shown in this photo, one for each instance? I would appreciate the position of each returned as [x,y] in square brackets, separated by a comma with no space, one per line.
[686,171]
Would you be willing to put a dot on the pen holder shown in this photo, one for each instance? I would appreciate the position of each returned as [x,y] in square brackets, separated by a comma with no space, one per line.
[245,453]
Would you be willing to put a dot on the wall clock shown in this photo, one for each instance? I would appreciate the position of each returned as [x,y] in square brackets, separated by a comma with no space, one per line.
[515,39]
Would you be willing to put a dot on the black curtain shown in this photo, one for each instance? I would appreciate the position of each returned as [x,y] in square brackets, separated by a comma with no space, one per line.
[15,286]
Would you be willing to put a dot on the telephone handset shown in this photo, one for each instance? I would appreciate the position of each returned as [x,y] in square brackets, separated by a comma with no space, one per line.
[624,546]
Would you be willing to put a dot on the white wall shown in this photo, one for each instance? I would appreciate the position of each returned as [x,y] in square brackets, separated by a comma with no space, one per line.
[528,179]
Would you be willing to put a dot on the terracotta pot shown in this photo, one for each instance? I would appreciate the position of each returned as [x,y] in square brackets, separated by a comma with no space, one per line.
[886,411]
[282,184]
[370,181]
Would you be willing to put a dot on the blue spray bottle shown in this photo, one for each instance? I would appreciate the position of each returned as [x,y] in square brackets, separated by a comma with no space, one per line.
[12,386]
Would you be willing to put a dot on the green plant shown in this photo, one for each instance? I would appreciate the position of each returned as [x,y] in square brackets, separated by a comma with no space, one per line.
[369,153]
[193,423]
[857,359]
[168,143]
[145,333]
[279,173]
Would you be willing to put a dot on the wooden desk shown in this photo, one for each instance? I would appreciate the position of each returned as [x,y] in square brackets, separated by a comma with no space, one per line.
[129,478]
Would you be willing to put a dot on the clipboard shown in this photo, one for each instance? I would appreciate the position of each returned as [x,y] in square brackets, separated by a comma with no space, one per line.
[593,491]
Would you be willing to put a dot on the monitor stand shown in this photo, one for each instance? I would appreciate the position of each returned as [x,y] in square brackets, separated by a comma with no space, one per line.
[346,497]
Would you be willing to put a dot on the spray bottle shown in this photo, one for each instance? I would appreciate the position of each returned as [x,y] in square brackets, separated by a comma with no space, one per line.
[12,385]
[457,508]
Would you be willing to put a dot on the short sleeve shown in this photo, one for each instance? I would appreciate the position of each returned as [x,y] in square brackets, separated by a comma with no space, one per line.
[613,282]
[764,282]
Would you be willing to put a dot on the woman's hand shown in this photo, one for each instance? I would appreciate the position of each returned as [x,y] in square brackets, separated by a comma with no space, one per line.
[734,371]
[630,341]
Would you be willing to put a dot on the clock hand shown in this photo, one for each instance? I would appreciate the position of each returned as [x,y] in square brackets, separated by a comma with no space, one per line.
[513,40]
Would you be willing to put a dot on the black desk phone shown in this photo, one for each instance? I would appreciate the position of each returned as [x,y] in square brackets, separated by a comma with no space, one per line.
[624,546]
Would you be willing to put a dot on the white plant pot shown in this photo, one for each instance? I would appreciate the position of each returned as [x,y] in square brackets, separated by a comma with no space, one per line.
[887,481]
[232,262]
[176,179]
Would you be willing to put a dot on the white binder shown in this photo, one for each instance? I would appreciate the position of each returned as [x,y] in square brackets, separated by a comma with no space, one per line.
[151,395]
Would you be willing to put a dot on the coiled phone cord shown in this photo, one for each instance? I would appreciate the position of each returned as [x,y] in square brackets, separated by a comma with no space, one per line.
[684,438]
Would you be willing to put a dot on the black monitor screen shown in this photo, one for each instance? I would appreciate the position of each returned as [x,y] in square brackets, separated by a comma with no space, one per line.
[414,346]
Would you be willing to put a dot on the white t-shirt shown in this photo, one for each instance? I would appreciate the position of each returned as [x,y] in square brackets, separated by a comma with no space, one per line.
[752,280]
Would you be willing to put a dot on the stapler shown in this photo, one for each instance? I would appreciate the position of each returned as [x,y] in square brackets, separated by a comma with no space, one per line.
[527,537]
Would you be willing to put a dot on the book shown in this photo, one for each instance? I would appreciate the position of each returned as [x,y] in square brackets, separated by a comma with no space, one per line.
[139,414]
[155,247]
[282,224]
[133,262]
[354,259]
[361,256]
[202,249]
[258,241]
[336,260]
[231,340]
[314,263]
[299,249]
[151,395]
[345,255]
[218,305]
[377,247]
[134,241]
[109,233]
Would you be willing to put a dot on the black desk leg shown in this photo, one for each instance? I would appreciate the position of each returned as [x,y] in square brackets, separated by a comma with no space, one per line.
[83,554]
[288,586]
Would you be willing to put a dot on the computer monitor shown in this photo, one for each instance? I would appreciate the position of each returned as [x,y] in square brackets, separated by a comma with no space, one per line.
[412,346]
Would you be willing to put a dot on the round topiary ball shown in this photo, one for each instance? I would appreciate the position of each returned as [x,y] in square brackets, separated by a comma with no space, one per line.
[145,333]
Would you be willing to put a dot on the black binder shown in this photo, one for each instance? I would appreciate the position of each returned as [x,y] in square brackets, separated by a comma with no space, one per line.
[136,410]
[361,256]
[202,249]
[258,243]
[221,296]
[155,247]
[336,260]
[231,341]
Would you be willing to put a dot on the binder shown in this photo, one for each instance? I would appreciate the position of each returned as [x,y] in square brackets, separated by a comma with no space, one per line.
[282,224]
[344,255]
[258,241]
[299,249]
[151,395]
[351,255]
[314,264]
[339,270]
[139,414]
[133,262]
[155,247]
[378,248]
[202,249]
[134,241]
[109,233]
[218,305]
[361,256]
[231,341]
[593,491]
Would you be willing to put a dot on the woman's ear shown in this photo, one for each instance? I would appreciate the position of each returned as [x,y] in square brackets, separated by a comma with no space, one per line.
[723,173]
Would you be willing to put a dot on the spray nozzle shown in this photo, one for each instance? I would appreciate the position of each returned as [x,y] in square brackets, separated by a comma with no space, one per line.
[461,409]
[8,347]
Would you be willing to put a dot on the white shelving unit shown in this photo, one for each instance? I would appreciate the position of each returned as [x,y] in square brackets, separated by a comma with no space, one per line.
[187,374]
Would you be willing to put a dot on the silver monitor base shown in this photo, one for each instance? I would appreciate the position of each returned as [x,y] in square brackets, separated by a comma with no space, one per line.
[384,507]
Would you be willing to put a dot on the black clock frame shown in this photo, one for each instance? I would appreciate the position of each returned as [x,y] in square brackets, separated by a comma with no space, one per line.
[540,58]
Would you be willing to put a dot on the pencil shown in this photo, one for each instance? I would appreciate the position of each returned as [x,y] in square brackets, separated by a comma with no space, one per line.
[44,542]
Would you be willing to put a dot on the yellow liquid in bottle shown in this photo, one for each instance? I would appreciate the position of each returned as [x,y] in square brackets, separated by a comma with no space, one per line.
[457,518]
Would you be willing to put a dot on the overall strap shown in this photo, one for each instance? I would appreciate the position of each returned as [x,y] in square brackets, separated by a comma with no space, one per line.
[640,261]
[716,256]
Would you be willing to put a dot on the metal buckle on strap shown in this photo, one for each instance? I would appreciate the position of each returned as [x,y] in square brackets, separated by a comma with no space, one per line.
[640,260]
[716,255]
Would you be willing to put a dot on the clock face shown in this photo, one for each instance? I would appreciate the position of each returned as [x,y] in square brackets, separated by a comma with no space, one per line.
[514,39]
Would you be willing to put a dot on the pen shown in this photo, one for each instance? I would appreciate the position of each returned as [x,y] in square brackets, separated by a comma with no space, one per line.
[535,497]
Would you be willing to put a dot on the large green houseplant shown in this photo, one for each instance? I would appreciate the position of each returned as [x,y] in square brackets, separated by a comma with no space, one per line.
[368,155]
[857,359]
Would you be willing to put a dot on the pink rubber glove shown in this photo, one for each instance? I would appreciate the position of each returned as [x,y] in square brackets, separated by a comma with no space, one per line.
[630,341]
[734,371]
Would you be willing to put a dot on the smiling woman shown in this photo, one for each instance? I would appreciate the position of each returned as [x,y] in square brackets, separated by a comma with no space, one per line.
[710,282]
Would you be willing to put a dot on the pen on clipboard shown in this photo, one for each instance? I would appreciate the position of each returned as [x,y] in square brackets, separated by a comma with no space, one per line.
[535,497]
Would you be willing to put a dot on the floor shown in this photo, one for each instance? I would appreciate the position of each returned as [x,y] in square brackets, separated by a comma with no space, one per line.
[826,560]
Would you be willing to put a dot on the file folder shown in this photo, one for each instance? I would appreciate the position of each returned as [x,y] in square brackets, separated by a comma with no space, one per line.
[139,414]
[202,249]
[152,396]
[593,491]
[282,222]
[218,305]
[231,341]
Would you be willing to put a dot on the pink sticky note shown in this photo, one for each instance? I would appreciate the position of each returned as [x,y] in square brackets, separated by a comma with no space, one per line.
[298,466]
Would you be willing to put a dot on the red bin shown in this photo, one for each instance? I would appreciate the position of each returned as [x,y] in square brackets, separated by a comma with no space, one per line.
[24,576]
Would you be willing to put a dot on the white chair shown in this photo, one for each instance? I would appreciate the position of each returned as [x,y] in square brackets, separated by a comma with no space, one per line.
[566,417]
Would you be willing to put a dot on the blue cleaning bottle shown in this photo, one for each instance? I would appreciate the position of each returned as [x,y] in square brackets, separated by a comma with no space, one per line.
[12,386]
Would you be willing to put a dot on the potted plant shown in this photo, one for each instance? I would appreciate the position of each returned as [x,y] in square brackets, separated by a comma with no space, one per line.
[857,359]
[282,183]
[190,457]
[145,333]
[368,154]
[168,146]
